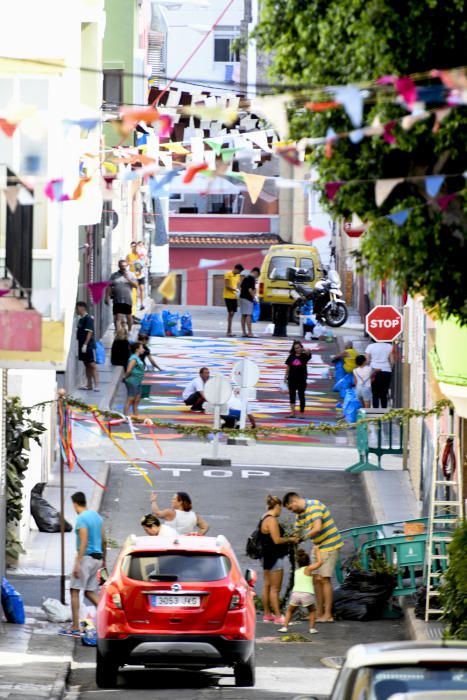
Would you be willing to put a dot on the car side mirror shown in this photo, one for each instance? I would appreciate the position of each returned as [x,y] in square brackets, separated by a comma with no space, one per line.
[102,576]
[251,577]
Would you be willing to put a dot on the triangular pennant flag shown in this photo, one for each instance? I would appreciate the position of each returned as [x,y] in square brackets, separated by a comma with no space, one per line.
[4,292]
[11,196]
[407,90]
[311,234]
[384,187]
[400,217]
[356,135]
[321,106]
[86,124]
[228,153]
[332,188]
[260,139]
[254,184]
[433,184]
[205,262]
[192,171]
[7,127]
[388,128]
[168,287]
[96,290]
[352,100]
[157,186]
[175,147]
[25,197]
[273,108]
[445,200]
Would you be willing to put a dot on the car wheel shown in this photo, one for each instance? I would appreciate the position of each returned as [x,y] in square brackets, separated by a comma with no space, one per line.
[106,672]
[244,673]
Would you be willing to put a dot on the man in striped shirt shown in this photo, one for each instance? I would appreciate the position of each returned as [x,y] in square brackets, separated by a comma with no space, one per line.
[314,521]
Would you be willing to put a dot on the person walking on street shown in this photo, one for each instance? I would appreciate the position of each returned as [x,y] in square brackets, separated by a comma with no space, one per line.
[381,359]
[87,346]
[152,526]
[193,393]
[247,298]
[144,338]
[314,521]
[275,548]
[303,592]
[136,266]
[120,288]
[231,282]
[296,376]
[181,516]
[90,557]
[362,377]
[133,378]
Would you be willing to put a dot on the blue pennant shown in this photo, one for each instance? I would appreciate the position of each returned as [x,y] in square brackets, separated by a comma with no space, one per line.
[400,217]
[433,184]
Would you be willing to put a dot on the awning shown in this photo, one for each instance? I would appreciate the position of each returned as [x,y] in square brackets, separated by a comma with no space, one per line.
[448,359]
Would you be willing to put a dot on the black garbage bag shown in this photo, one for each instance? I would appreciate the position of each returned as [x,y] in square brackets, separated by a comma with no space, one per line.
[46,517]
[363,595]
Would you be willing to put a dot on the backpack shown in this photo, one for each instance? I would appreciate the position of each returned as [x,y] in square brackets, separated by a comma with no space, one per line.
[254,544]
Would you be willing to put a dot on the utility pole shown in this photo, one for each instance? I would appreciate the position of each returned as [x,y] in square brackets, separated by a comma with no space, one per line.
[3,392]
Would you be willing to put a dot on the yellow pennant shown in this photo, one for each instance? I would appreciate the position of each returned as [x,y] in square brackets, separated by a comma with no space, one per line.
[168,287]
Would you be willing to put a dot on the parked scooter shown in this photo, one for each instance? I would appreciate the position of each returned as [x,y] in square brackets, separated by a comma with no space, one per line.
[328,306]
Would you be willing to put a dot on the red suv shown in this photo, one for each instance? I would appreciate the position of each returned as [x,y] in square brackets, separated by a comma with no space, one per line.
[176,602]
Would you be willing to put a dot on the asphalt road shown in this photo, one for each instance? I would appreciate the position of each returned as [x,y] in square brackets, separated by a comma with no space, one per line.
[232,501]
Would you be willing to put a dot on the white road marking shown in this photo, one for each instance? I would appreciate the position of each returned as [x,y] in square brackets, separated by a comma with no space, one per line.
[241,465]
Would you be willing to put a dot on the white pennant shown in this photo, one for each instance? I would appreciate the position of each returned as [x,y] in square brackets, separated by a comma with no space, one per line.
[260,139]
[383,188]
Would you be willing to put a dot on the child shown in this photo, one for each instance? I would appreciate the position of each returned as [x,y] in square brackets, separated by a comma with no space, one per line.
[362,376]
[303,593]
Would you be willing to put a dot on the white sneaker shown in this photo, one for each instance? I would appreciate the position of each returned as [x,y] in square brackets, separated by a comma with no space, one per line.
[313,630]
[283,629]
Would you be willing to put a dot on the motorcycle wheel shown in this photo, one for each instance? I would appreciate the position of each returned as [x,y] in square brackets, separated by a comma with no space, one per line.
[295,314]
[336,315]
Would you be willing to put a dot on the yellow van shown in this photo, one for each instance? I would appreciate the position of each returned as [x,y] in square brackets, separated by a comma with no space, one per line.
[274,287]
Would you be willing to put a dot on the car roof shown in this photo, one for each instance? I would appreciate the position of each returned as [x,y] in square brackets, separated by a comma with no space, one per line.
[405,653]
[187,543]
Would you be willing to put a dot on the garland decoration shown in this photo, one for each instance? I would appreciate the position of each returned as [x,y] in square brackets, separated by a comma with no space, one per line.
[204,431]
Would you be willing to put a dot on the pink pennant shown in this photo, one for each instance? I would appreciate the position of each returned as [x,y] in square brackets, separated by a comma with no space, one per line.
[386,80]
[164,126]
[407,90]
[445,200]
[96,290]
[54,191]
[332,188]
[388,128]
[4,292]
[312,234]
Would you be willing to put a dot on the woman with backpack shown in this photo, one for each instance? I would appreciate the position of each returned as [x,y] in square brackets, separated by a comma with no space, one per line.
[275,548]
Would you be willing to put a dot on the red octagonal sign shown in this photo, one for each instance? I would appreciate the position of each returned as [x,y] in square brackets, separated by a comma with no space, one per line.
[384,323]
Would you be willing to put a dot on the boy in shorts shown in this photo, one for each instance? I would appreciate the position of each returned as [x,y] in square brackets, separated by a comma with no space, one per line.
[303,593]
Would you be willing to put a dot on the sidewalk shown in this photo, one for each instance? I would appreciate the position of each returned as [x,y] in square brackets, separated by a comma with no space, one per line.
[390,497]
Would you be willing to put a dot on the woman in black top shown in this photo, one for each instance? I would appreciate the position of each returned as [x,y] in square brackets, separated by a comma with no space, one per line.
[275,548]
[144,338]
[296,375]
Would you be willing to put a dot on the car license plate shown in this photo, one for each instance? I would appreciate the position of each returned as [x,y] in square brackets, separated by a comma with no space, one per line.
[175,601]
[280,292]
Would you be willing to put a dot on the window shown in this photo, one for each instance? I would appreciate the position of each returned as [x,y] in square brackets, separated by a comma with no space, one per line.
[278,267]
[307,264]
[113,87]
[421,678]
[184,567]
[225,50]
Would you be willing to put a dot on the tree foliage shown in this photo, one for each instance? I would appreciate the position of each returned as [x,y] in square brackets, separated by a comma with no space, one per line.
[454,587]
[20,430]
[317,43]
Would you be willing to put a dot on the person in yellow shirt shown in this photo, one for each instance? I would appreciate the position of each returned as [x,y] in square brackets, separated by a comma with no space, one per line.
[348,356]
[136,266]
[231,284]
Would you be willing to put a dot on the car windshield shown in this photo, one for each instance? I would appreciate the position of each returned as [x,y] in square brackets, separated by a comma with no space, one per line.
[307,264]
[388,681]
[278,267]
[180,567]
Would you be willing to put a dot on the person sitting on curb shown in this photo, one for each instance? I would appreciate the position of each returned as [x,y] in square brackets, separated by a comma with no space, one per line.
[193,393]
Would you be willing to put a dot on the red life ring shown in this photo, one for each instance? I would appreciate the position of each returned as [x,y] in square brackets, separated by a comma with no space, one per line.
[448,459]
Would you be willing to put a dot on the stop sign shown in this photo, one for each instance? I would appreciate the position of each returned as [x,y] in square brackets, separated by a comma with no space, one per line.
[384,323]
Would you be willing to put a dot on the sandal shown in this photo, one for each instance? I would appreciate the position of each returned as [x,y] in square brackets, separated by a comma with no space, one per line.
[85,388]
[70,633]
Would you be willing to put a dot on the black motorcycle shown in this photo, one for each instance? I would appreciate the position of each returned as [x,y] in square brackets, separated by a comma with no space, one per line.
[328,307]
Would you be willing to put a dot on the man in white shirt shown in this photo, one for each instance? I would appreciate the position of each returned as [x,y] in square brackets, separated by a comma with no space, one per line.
[380,358]
[193,393]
